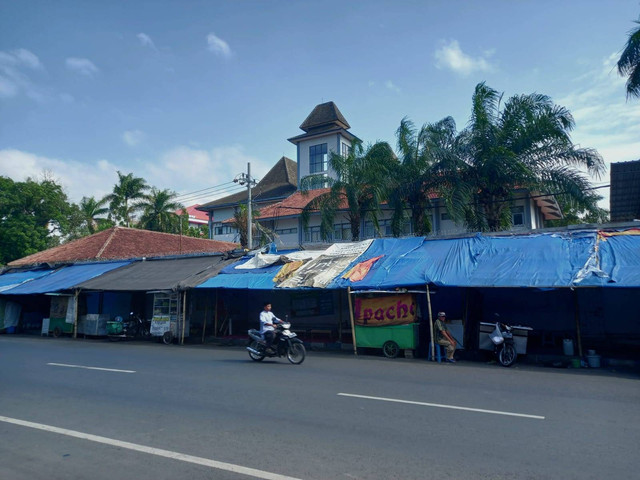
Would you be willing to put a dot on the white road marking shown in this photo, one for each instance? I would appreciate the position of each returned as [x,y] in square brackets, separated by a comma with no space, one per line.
[91,368]
[453,407]
[229,467]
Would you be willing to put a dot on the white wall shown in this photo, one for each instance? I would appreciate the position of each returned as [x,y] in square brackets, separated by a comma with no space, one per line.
[333,145]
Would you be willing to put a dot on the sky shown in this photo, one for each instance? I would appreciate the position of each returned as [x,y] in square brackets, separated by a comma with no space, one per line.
[186,93]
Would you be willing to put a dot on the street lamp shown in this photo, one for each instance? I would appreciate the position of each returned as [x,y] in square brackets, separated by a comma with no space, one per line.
[242,179]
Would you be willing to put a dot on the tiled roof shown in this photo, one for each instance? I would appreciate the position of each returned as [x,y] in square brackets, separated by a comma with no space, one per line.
[279,182]
[323,115]
[195,216]
[290,206]
[119,243]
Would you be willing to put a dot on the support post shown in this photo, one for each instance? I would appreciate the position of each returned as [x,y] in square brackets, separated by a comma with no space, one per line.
[576,309]
[433,346]
[353,327]
[204,324]
[75,313]
[184,314]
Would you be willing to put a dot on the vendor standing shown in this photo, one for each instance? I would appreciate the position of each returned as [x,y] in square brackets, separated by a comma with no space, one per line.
[444,338]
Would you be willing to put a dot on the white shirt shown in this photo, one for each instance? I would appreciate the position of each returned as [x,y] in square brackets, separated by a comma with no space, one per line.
[266,318]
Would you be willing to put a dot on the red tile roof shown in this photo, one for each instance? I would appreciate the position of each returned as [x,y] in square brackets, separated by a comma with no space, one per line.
[119,243]
[290,206]
[195,216]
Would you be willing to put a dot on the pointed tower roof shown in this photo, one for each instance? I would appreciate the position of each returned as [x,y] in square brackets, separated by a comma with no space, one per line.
[324,119]
[323,116]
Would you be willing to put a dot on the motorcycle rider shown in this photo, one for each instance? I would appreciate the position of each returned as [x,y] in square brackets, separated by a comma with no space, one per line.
[267,322]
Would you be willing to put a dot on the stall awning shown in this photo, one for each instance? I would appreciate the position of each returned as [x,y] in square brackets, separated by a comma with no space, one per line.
[65,278]
[12,280]
[161,274]
[256,279]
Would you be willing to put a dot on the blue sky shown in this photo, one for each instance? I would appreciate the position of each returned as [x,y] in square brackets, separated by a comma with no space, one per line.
[185,93]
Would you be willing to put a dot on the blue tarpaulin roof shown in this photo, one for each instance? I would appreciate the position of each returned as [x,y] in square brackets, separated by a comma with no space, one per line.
[256,279]
[12,280]
[542,261]
[64,278]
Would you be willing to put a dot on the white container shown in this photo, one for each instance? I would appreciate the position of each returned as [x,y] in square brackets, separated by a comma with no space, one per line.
[593,361]
[567,347]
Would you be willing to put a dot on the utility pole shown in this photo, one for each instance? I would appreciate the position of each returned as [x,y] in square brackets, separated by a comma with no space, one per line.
[242,179]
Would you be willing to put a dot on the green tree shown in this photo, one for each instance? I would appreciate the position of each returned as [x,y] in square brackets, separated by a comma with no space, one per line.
[525,144]
[427,159]
[359,189]
[159,211]
[629,63]
[258,231]
[122,204]
[92,212]
[34,215]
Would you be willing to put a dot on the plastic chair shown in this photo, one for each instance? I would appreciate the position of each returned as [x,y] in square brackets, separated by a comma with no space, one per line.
[440,356]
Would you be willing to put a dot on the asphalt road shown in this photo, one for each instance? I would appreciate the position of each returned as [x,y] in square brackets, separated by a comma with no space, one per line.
[151,411]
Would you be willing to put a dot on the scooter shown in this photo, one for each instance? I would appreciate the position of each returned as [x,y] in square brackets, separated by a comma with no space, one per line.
[504,346]
[284,344]
[118,329]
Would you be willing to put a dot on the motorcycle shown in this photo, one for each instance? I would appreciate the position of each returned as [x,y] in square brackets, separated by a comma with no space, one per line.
[285,344]
[118,329]
[504,346]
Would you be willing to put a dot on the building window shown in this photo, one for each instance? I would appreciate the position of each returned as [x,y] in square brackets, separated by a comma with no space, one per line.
[346,150]
[342,231]
[318,158]
[445,216]
[312,235]
[286,231]
[517,216]
[223,230]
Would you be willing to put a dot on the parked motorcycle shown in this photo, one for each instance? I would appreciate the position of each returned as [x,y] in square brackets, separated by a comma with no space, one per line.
[285,344]
[135,326]
[504,346]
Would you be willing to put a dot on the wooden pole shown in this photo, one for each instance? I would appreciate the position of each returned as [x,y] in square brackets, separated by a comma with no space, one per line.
[576,310]
[75,313]
[204,324]
[353,325]
[184,314]
[215,316]
[433,344]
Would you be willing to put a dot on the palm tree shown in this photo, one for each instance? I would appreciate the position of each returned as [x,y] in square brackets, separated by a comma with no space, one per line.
[127,189]
[239,222]
[629,63]
[159,211]
[427,158]
[524,144]
[91,209]
[362,178]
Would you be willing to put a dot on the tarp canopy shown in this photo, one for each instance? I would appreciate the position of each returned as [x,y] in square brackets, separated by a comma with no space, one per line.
[252,278]
[161,274]
[65,278]
[12,280]
[539,260]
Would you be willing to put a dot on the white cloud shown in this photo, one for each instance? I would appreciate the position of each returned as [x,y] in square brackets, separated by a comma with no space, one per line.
[133,137]
[16,68]
[145,41]
[181,169]
[185,169]
[83,66]
[450,56]
[78,179]
[218,46]
[604,119]
[391,86]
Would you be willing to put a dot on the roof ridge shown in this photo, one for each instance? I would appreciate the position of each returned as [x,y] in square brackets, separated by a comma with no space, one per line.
[106,244]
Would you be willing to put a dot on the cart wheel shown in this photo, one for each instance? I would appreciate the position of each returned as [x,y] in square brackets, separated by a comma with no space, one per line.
[390,349]
[57,332]
[167,338]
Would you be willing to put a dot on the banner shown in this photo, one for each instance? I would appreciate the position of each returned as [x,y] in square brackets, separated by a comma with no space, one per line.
[384,311]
